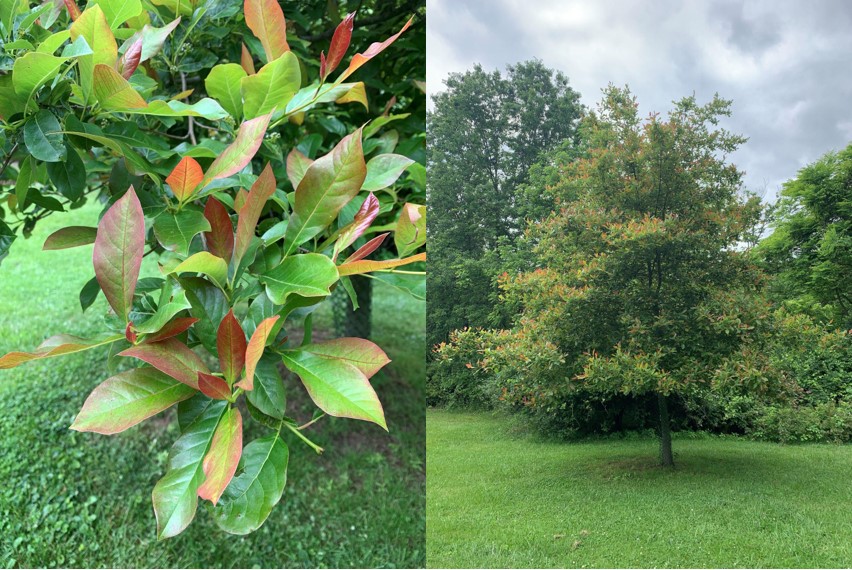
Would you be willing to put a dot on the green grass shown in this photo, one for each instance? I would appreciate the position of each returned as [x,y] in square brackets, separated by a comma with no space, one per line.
[497,498]
[71,499]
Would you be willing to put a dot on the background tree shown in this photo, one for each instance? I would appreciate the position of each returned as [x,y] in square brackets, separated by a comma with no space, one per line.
[485,132]
[810,250]
[640,288]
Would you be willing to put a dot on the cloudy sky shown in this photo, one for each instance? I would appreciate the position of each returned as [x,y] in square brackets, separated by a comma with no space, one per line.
[787,65]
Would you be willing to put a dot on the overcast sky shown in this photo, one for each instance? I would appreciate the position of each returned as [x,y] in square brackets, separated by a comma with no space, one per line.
[786,65]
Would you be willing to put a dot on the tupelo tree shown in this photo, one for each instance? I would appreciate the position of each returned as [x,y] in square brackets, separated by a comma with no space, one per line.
[238,268]
[640,287]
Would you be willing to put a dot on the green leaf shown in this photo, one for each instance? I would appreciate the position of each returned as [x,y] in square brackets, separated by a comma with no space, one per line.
[118,251]
[240,152]
[69,175]
[250,497]
[89,293]
[72,236]
[42,137]
[10,102]
[93,26]
[52,42]
[165,312]
[414,285]
[7,236]
[175,496]
[221,461]
[308,275]
[383,170]
[26,173]
[33,70]
[223,84]
[207,264]
[410,231]
[328,185]
[360,353]
[272,87]
[209,305]
[335,385]
[308,97]
[206,108]
[175,231]
[119,11]
[128,398]
[268,394]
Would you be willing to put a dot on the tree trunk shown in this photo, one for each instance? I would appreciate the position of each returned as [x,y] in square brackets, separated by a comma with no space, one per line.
[354,323]
[666,458]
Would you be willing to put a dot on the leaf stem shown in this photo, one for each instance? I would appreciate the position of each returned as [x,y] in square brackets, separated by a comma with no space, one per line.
[311,444]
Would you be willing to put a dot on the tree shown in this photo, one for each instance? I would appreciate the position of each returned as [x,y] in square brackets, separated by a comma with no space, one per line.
[640,287]
[485,132]
[810,249]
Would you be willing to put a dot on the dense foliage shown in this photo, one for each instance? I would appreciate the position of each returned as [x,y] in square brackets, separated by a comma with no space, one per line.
[95,118]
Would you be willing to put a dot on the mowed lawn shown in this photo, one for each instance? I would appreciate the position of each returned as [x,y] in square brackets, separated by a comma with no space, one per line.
[498,498]
[70,499]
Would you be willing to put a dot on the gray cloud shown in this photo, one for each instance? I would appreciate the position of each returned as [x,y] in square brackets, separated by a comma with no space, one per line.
[785,64]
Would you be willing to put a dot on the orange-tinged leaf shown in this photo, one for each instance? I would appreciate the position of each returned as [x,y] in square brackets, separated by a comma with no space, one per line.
[241,151]
[114,92]
[364,355]
[266,21]
[249,213]
[73,9]
[221,460]
[375,49]
[246,62]
[128,398]
[254,351]
[55,346]
[220,239]
[93,26]
[171,357]
[213,386]
[366,266]
[117,255]
[185,178]
[297,165]
[240,199]
[231,346]
[367,248]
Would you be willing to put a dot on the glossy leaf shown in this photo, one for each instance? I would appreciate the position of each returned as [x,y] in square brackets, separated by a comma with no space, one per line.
[119,11]
[266,21]
[414,285]
[241,151]
[231,345]
[246,61]
[328,185]
[254,350]
[297,165]
[165,312]
[172,357]
[68,175]
[55,346]
[152,39]
[128,398]
[360,353]
[114,92]
[31,71]
[268,394]
[175,496]
[339,44]
[221,461]
[185,178]
[249,213]
[384,169]
[72,236]
[223,84]
[363,218]
[367,265]
[93,26]
[410,231]
[213,386]
[375,49]
[308,275]
[129,62]
[220,239]
[172,328]
[207,264]
[272,87]
[367,248]
[43,137]
[117,255]
[336,386]
[209,305]
[252,494]
[175,231]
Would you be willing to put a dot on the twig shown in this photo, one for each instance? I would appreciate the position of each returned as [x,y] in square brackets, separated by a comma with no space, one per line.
[190,123]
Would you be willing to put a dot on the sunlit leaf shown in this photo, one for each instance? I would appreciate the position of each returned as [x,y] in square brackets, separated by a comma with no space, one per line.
[266,21]
[223,84]
[272,87]
[185,177]
[207,264]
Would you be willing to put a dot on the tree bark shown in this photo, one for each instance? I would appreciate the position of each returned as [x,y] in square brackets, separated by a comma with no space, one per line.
[666,457]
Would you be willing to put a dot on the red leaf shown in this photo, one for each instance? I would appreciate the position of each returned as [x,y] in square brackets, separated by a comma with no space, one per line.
[249,212]
[255,350]
[363,218]
[375,49]
[73,9]
[129,333]
[220,239]
[221,461]
[213,386]
[130,60]
[171,357]
[246,61]
[266,21]
[173,328]
[117,256]
[367,248]
[185,177]
[339,44]
[231,345]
